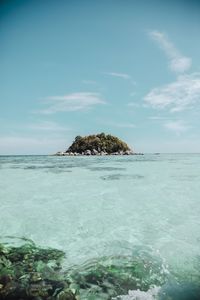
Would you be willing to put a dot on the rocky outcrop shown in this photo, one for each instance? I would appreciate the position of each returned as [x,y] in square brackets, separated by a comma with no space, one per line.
[99,144]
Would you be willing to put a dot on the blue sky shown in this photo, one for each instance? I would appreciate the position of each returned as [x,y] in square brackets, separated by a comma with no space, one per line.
[126,67]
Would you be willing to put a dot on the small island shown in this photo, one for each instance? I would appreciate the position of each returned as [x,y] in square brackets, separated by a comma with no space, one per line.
[99,144]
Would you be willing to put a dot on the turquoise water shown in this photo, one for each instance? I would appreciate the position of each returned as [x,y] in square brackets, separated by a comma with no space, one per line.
[92,207]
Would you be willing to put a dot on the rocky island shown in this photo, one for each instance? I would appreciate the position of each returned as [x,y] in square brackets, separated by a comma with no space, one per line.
[99,144]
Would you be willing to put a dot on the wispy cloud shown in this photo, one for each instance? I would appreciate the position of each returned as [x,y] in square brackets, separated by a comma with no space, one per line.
[72,102]
[182,94]
[177,62]
[123,76]
[120,75]
[176,126]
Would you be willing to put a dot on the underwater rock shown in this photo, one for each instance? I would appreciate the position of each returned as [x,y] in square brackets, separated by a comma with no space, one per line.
[28,272]
[66,295]
[121,176]
[109,277]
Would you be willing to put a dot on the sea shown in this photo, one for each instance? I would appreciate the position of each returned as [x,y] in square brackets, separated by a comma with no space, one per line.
[93,207]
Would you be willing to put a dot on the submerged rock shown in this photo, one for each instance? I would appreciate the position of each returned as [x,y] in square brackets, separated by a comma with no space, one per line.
[111,276]
[28,272]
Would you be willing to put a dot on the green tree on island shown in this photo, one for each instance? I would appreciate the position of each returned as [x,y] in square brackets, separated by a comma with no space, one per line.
[99,143]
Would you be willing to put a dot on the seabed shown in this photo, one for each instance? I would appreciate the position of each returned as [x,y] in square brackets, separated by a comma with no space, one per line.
[29,272]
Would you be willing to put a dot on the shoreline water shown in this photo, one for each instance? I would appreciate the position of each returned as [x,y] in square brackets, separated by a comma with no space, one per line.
[30,272]
[106,207]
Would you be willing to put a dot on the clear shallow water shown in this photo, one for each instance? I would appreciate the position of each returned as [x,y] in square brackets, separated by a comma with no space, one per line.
[102,206]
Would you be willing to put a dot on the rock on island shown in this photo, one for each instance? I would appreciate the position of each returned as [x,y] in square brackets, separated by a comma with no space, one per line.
[99,144]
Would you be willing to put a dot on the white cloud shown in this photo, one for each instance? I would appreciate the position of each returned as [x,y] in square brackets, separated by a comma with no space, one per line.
[123,76]
[72,102]
[176,126]
[177,62]
[120,75]
[182,94]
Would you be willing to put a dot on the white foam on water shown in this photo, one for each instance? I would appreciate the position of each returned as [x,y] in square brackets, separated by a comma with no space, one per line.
[151,294]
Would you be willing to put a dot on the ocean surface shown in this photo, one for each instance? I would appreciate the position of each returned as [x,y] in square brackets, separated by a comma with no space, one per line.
[94,207]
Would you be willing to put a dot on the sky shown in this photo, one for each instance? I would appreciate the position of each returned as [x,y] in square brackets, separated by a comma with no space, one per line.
[125,67]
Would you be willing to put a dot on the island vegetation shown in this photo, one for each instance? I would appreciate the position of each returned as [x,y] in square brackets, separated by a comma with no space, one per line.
[98,144]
